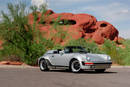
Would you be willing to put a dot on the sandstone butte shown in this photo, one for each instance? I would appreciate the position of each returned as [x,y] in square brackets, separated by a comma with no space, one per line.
[76,25]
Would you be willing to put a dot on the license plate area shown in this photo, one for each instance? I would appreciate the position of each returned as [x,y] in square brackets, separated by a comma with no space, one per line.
[101,66]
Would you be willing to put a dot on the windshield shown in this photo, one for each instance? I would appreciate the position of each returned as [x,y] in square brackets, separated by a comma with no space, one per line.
[75,50]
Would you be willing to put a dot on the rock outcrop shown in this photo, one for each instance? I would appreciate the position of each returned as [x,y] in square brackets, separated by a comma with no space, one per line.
[1,44]
[76,25]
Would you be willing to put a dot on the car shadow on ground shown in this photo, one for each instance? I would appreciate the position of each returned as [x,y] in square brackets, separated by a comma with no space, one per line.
[84,72]
[93,72]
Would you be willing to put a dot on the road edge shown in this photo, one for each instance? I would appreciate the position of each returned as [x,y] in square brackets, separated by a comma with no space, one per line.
[27,66]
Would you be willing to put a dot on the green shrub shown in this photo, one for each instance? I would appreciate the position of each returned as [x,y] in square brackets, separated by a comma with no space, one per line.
[90,46]
[114,51]
[126,52]
[22,39]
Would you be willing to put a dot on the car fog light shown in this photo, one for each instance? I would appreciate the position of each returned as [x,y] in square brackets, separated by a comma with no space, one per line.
[93,67]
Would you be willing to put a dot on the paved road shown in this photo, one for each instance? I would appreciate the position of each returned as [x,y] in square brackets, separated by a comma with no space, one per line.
[33,77]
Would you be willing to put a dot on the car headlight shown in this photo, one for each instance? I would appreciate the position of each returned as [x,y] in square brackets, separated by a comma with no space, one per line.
[108,58]
[88,58]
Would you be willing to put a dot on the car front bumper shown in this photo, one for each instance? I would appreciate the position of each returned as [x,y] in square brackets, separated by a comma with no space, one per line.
[97,66]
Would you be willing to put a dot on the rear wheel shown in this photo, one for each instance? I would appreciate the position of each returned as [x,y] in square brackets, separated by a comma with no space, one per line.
[75,66]
[43,65]
[100,70]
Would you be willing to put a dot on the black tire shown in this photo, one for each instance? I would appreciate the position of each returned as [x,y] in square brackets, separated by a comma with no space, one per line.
[75,66]
[43,65]
[100,70]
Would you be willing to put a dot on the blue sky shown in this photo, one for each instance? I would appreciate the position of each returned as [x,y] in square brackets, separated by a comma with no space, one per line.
[117,12]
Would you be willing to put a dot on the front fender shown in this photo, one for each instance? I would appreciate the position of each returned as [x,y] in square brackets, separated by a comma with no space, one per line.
[79,58]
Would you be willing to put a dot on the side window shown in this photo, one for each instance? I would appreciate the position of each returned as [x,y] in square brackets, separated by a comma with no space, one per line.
[55,52]
[67,50]
[49,52]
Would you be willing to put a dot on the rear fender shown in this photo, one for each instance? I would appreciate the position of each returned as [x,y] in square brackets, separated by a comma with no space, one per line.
[46,59]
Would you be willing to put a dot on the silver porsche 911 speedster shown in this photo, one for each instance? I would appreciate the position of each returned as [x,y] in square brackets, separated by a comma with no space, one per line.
[74,58]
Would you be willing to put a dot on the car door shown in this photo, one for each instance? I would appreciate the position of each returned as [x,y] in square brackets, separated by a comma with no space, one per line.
[53,57]
[61,59]
[56,59]
[65,58]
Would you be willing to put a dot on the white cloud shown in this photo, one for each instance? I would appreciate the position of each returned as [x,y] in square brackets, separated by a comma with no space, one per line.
[125,11]
[38,3]
[74,1]
[125,33]
[62,3]
[113,12]
[77,0]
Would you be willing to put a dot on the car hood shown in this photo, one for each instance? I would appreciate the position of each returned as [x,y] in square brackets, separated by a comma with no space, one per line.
[95,57]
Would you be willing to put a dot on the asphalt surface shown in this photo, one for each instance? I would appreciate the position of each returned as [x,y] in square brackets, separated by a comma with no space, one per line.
[33,77]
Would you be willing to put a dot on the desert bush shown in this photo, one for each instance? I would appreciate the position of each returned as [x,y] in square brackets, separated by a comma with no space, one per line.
[89,45]
[126,52]
[22,39]
[116,53]
[58,46]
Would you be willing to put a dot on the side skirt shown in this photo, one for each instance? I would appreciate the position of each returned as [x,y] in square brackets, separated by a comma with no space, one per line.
[59,67]
[56,66]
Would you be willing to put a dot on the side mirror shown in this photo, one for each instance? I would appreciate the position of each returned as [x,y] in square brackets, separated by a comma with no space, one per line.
[88,50]
[58,49]
[61,52]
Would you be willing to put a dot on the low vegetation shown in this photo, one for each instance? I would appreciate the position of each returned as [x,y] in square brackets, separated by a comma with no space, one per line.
[23,42]
[20,38]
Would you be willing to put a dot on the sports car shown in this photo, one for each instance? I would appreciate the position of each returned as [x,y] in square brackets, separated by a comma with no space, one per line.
[74,58]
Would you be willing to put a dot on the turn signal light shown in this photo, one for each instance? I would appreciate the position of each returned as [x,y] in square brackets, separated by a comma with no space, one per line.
[89,63]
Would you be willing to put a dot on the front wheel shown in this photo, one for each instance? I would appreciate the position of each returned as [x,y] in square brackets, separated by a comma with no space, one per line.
[100,70]
[75,66]
[43,65]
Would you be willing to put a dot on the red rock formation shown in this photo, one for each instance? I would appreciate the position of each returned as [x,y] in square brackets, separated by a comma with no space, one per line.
[10,63]
[76,25]
[1,44]
[105,30]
